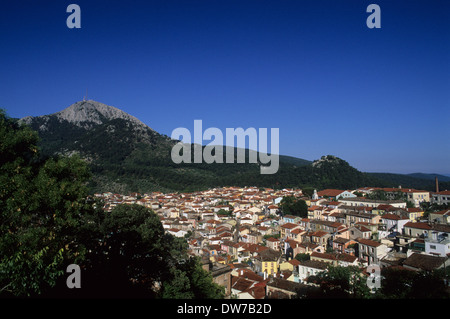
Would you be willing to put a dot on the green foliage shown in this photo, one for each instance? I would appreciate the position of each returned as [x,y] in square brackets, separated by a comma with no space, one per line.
[308,191]
[396,283]
[400,283]
[293,206]
[190,280]
[302,257]
[342,282]
[40,204]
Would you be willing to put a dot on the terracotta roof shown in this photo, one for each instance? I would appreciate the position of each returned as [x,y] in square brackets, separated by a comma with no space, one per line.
[369,242]
[294,262]
[424,262]
[418,225]
[317,264]
[289,225]
[391,217]
[330,192]
[257,292]
[323,255]
[443,212]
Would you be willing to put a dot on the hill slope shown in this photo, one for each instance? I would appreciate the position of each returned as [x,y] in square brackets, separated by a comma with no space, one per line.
[126,155]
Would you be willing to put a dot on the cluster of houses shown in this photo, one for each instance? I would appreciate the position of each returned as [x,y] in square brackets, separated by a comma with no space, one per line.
[249,246]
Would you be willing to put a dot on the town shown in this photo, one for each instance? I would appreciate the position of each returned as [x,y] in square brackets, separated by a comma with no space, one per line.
[249,244]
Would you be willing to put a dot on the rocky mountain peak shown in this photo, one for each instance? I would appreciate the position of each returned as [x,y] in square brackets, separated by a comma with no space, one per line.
[87,114]
[328,159]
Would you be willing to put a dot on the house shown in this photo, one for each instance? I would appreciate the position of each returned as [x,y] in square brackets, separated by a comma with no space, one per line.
[325,225]
[291,219]
[438,245]
[423,262]
[290,265]
[319,238]
[353,217]
[308,248]
[359,231]
[291,248]
[272,209]
[296,234]
[309,268]
[230,248]
[415,213]
[437,241]
[315,212]
[362,201]
[441,217]
[285,229]
[241,287]
[324,257]
[416,196]
[273,243]
[345,260]
[335,194]
[254,238]
[371,251]
[279,288]
[343,245]
[267,261]
[236,267]
[418,229]
[393,223]
[441,198]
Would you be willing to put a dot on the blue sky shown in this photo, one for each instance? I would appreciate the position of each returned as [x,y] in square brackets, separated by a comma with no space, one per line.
[378,98]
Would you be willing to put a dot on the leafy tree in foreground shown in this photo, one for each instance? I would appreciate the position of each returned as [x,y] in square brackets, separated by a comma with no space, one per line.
[190,280]
[40,205]
[400,283]
[342,282]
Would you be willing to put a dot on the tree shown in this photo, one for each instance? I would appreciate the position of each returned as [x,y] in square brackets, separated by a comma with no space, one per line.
[308,191]
[400,283]
[396,283]
[294,206]
[343,282]
[40,204]
[302,257]
[190,280]
[127,254]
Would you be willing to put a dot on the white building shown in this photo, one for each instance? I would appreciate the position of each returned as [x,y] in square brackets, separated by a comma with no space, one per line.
[441,198]
[361,201]
[309,268]
[439,247]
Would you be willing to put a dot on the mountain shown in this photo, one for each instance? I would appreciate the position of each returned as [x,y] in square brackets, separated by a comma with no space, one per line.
[440,177]
[86,114]
[423,182]
[125,155]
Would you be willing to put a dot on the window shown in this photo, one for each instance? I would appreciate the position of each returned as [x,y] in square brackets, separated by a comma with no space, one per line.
[433,247]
